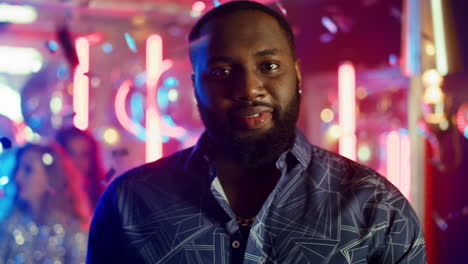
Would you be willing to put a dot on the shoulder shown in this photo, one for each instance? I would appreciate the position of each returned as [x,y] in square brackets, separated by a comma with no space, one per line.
[159,171]
[169,176]
[352,180]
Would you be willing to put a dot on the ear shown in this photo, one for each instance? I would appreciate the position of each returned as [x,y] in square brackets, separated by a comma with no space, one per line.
[298,72]
[192,76]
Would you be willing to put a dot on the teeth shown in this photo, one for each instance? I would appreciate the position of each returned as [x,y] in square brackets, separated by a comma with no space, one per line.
[255,115]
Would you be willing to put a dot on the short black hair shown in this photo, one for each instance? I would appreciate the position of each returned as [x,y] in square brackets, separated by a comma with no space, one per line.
[235,6]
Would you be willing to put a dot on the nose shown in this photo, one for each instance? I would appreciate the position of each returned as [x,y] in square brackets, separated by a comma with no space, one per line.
[248,87]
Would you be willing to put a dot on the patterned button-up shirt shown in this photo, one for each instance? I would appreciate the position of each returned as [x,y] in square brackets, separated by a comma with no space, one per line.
[324,209]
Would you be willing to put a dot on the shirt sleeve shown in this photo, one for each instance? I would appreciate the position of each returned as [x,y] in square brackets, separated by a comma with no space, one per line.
[105,242]
[402,241]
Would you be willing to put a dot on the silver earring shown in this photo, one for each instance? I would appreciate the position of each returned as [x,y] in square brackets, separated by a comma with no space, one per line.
[300,91]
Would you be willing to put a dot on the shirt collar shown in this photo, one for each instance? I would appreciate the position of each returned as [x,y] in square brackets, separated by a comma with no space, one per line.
[301,149]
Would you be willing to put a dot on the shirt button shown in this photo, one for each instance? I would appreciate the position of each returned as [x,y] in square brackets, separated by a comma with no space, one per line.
[235,244]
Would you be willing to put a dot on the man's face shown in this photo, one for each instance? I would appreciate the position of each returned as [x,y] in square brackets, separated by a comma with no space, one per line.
[246,81]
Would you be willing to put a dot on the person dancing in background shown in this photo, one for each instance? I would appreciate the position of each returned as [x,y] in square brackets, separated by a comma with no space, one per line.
[51,214]
[85,153]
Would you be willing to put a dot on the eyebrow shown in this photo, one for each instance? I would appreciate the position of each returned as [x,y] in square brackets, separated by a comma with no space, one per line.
[267,52]
[262,53]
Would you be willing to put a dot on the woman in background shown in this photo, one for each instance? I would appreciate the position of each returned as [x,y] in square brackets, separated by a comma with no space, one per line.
[50,221]
[85,153]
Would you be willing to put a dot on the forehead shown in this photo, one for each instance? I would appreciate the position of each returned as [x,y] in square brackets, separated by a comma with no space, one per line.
[30,157]
[242,32]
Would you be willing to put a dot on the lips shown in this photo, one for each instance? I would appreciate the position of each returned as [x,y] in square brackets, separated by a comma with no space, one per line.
[252,117]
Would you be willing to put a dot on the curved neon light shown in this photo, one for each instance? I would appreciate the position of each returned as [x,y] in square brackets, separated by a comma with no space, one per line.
[121,113]
[133,126]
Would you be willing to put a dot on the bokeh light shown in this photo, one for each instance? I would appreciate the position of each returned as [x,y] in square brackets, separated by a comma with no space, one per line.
[56,104]
[364,153]
[327,115]
[172,95]
[198,6]
[361,92]
[4,180]
[432,78]
[47,159]
[111,136]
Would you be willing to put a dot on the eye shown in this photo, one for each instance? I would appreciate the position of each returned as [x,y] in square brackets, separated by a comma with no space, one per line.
[269,67]
[220,73]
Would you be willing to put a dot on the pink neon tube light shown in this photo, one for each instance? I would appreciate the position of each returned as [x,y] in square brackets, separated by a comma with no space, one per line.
[81,85]
[347,110]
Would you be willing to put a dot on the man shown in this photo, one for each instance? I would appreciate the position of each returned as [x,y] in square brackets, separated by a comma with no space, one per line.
[253,190]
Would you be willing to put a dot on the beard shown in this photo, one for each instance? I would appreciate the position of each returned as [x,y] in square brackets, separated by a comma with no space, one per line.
[256,150]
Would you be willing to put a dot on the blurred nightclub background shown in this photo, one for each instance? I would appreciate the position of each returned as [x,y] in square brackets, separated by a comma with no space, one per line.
[385,84]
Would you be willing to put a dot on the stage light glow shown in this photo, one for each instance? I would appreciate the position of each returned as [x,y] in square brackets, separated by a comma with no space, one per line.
[111,136]
[172,95]
[439,36]
[10,103]
[47,159]
[347,110]
[4,180]
[20,14]
[81,85]
[198,6]
[364,153]
[327,115]
[20,61]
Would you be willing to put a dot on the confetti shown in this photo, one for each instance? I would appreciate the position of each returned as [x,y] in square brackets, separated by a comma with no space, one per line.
[130,43]
[216,3]
[108,176]
[281,7]
[52,46]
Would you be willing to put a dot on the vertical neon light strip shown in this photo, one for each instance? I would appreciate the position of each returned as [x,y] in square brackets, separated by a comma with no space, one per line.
[154,68]
[347,110]
[393,158]
[439,36]
[399,162]
[405,163]
[81,85]
[411,50]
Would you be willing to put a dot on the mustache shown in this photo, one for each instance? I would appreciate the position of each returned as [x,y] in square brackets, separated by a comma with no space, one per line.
[244,105]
